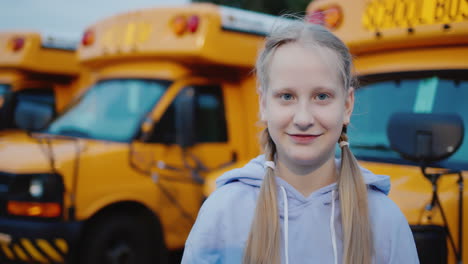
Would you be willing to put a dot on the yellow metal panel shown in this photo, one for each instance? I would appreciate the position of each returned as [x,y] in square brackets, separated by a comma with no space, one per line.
[33,57]
[383,14]
[148,34]
[20,253]
[441,58]
[378,25]
[166,70]
[8,252]
[35,254]
[49,250]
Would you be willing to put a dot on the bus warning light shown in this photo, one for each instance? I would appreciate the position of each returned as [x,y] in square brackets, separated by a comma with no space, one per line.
[328,16]
[88,38]
[192,24]
[17,43]
[179,25]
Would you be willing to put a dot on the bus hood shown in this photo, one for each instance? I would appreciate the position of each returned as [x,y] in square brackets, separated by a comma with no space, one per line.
[22,154]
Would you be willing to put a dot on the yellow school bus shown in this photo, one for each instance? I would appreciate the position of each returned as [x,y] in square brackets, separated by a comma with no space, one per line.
[411,57]
[36,78]
[118,176]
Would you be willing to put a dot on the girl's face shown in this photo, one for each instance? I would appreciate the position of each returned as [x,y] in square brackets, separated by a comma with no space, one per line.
[305,105]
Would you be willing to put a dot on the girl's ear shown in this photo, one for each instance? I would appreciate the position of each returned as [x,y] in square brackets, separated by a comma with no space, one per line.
[349,106]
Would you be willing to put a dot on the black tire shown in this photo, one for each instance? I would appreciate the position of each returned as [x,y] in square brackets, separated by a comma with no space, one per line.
[122,239]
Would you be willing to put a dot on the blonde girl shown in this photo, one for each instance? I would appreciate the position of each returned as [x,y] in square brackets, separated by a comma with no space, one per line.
[297,203]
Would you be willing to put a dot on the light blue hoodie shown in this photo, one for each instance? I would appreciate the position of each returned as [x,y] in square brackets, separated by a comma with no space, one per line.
[312,231]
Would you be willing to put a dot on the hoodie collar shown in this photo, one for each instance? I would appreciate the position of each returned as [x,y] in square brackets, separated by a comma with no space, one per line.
[252,174]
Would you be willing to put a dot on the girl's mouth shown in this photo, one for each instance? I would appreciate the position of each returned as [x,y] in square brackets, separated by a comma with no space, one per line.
[303,138]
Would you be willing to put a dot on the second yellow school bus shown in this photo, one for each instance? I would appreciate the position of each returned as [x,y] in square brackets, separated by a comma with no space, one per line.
[118,176]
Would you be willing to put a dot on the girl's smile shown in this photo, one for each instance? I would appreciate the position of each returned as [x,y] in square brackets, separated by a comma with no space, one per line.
[303,138]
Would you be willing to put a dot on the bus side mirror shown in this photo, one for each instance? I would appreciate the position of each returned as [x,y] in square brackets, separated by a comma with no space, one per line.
[425,138]
[185,118]
[33,116]
[6,109]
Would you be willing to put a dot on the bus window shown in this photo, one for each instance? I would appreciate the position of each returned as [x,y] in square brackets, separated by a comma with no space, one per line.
[210,122]
[381,96]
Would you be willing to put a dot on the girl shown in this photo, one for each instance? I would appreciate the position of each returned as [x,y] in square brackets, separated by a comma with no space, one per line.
[296,203]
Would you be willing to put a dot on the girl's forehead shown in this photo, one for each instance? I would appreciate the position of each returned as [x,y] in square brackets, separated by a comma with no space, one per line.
[299,61]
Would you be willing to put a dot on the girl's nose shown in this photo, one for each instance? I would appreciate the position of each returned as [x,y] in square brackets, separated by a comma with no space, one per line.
[303,118]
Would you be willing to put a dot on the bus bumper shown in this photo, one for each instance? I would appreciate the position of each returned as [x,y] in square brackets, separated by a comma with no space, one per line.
[31,241]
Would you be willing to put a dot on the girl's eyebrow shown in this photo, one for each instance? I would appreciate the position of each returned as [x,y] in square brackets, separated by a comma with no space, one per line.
[325,89]
[282,89]
[315,89]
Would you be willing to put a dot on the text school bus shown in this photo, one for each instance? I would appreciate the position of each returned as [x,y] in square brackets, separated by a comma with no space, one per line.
[117,178]
[37,78]
[411,59]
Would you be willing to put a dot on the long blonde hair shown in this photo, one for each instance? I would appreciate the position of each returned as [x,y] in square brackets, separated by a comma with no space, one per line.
[263,244]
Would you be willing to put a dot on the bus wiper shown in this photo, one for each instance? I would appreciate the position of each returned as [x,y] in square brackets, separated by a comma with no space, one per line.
[381,147]
[73,131]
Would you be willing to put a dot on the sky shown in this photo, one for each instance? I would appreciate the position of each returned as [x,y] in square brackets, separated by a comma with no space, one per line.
[66,18]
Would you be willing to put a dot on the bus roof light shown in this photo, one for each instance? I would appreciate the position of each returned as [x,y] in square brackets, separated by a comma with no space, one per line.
[17,43]
[88,38]
[328,16]
[192,23]
[316,17]
[179,25]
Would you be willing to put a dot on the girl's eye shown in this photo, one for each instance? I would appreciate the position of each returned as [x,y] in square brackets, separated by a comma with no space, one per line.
[286,96]
[322,96]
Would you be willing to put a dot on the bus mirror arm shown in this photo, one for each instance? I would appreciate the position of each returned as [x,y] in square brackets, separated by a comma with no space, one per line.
[426,139]
[136,160]
[435,201]
[146,129]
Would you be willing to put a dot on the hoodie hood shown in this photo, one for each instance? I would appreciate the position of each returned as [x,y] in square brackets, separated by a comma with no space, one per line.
[291,202]
[253,173]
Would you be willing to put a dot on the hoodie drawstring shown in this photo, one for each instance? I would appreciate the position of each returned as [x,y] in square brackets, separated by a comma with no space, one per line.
[332,227]
[271,164]
[286,219]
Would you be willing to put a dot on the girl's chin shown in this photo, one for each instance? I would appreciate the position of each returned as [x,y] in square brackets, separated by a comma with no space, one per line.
[306,159]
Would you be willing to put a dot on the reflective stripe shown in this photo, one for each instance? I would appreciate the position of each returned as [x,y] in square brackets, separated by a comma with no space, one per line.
[62,245]
[20,253]
[49,250]
[35,254]
[8,252]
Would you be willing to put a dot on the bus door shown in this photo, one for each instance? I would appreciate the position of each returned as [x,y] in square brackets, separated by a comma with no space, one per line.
[187,138]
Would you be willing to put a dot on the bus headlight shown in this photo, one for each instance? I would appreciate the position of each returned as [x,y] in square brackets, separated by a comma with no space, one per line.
[36,188]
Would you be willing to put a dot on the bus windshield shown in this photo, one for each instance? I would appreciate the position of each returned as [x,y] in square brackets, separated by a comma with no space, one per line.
[423,92]
[111,110]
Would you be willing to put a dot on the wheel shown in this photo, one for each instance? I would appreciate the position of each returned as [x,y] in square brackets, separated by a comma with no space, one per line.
[122,239]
